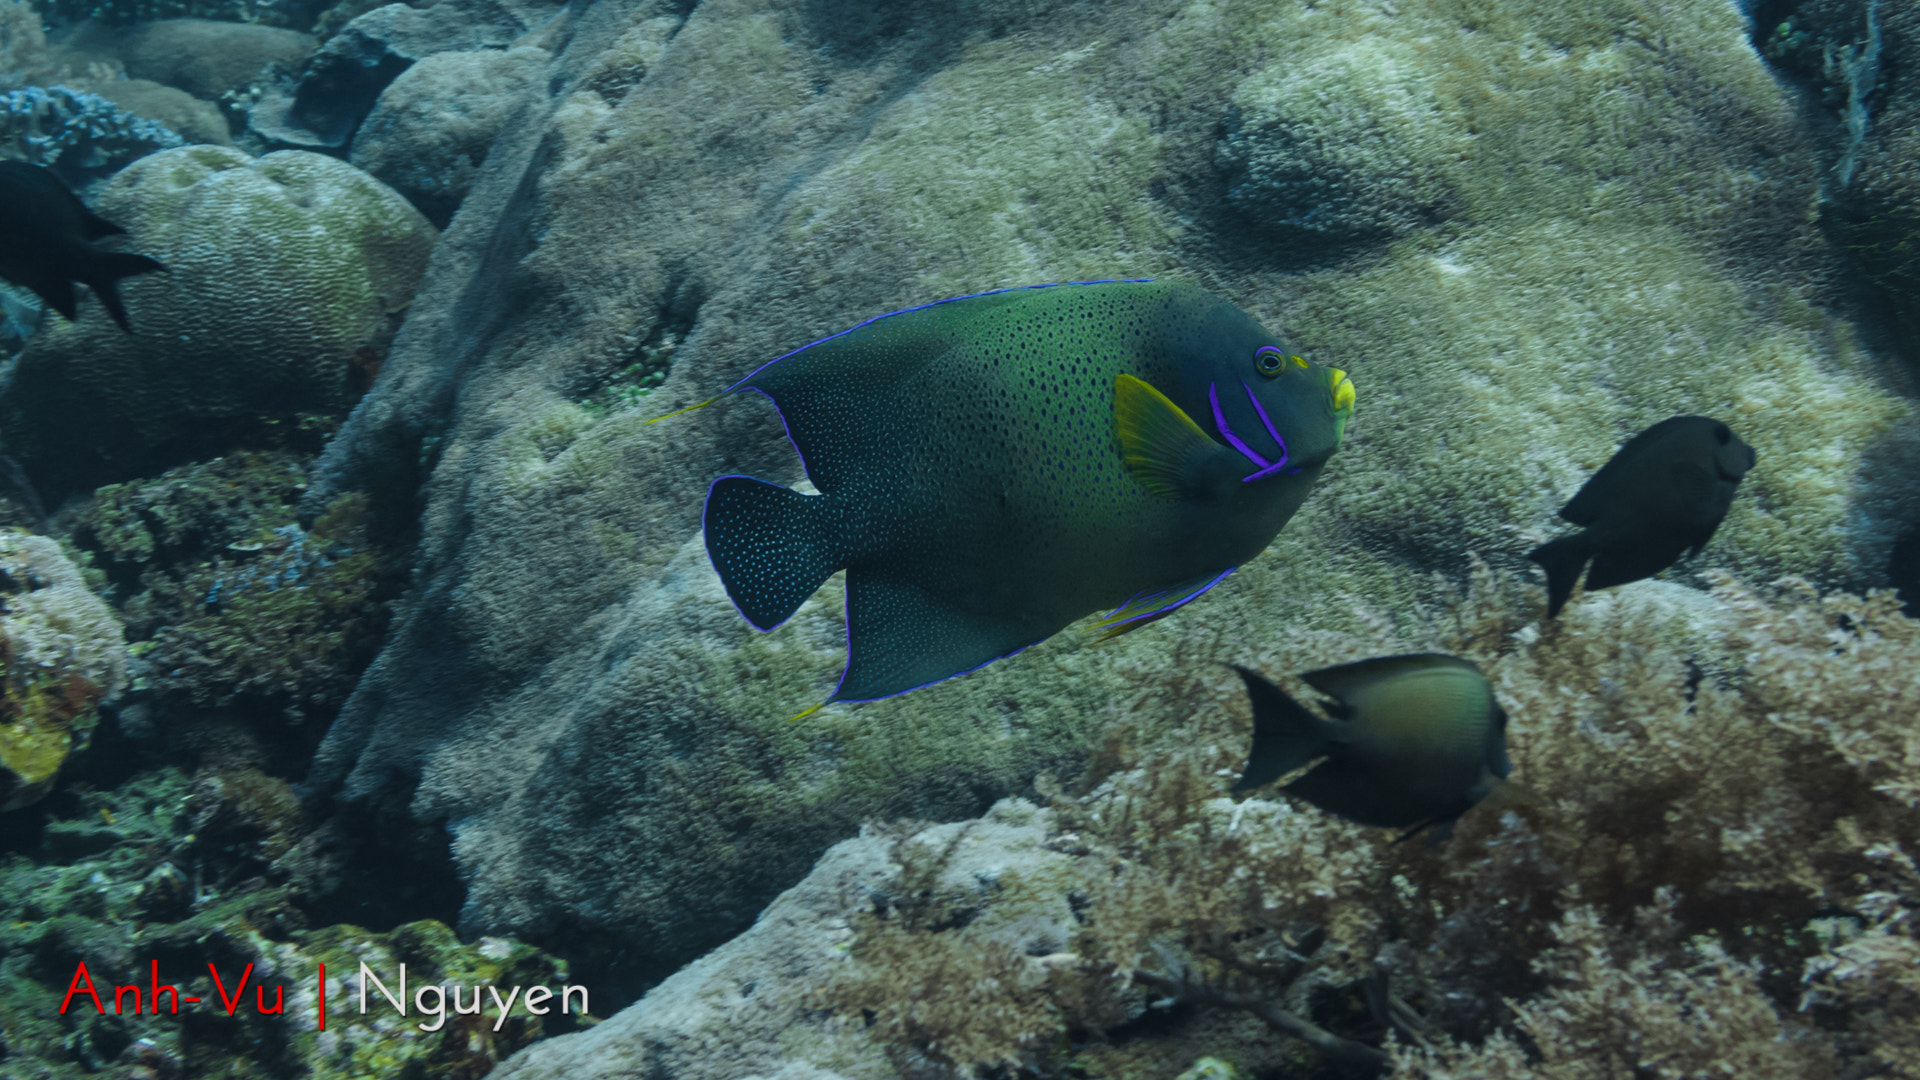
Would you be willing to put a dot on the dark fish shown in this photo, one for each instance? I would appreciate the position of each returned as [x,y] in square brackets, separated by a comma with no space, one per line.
[993,467]
[45,242]
[1416,740]
[1667,490]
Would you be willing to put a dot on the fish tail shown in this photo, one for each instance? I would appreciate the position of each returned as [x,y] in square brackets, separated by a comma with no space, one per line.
[1563,560]
[104,274]
[772,546]
[1285,735]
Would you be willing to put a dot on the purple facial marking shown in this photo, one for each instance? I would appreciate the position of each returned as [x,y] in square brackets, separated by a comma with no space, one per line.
[1282,443]
[923,307]
[1226,430]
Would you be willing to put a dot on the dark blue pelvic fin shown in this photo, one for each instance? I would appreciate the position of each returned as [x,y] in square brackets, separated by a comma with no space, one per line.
[1148,607]
[771,546]
[1285,735]
[900,637]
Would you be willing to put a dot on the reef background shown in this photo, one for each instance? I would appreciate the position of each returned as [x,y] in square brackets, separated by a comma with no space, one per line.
[458,655]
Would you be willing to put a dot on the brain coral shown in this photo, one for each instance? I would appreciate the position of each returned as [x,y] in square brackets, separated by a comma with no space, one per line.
[282,272]
[61,651]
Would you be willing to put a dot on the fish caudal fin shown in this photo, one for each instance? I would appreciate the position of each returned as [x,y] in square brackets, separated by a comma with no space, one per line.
[1563,560]
[772,546]
[104,273]
[1285,735]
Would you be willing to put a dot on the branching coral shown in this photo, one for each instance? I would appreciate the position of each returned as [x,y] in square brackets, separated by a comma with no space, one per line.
[80,136]
[1705,866]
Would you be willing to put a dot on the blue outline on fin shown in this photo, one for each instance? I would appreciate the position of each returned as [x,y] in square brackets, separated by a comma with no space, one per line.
[923,307]
[1114,627]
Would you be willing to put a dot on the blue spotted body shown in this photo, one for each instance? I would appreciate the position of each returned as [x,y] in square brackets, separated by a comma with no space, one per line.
[994,467]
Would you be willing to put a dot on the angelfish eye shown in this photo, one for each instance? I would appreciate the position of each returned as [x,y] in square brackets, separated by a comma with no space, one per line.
[1722,435]
[1269,360]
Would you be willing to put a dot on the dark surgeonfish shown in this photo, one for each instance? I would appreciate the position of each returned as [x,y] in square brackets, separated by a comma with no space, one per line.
[1414,740]
[1667,490]
[46,236]
[993,467]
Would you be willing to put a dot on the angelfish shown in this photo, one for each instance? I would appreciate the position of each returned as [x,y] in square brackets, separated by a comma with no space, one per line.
[1410,741]
[46,243]
[1665,491]
[993,467]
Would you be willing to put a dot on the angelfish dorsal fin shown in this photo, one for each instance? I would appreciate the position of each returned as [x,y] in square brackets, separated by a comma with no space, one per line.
[1160,444]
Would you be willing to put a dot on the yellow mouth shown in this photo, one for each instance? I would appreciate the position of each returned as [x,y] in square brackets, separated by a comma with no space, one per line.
[1342,402]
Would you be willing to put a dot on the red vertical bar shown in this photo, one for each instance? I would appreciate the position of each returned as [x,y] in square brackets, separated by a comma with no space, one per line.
[323,997]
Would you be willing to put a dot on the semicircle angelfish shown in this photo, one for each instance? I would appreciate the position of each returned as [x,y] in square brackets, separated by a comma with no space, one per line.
[993,467]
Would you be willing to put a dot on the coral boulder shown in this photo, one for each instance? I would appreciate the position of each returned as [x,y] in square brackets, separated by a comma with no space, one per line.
[61,652]
[283,273]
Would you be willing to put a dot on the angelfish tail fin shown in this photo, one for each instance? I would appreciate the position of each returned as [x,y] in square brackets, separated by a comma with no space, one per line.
[1285,735]
[1563,560]
[104,274]
[772,546]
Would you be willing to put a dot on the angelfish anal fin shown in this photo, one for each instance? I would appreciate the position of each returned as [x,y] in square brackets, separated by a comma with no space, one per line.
[1148,607]
[900,637]
[1162,446]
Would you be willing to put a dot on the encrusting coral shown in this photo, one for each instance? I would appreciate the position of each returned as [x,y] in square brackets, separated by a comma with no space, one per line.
[1706,864]
[61,653]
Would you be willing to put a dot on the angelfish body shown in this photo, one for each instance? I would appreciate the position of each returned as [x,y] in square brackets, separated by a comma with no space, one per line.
[1410,741]
[46,243]
[992,468]
[1665,491]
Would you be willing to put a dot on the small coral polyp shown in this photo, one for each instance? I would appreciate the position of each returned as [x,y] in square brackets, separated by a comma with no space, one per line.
[61,653]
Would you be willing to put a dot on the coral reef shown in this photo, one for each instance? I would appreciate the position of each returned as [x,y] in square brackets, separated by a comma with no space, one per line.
[286,277]
[207,59]
[1569,222]
[226,598]
[326,99]
[1709,868]
[81,136]
[430,130]
[186,871]
[61,653]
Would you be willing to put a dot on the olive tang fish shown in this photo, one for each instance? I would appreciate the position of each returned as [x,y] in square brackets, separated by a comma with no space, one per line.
[993,467]
[1410,741]
[1664,492]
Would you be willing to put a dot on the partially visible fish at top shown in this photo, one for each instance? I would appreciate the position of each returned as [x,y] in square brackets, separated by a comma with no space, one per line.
[1665,491]
[993,467]
[46,243]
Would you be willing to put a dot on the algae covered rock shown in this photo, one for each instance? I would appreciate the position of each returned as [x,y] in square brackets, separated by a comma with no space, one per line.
[430,130]
[61,653]
[1577,220]
[283,274]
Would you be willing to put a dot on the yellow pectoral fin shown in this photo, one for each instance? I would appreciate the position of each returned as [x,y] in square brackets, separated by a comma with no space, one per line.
[1159,442]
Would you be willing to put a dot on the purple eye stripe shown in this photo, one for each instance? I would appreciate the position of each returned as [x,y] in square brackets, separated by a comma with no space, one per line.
[1266,468]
